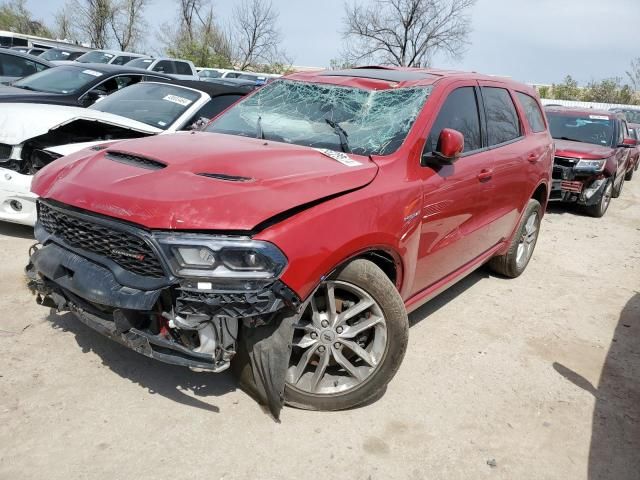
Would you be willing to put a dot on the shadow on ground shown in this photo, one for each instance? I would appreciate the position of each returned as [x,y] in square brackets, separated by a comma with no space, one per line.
[170,381]
[557,208]
[15,230]
[615,439]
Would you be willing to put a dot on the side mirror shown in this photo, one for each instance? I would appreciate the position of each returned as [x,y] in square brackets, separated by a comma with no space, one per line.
[450,146]
[629,142]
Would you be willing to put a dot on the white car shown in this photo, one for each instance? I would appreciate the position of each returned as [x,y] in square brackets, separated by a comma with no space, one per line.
[258,78]
[183,69]
[33,135]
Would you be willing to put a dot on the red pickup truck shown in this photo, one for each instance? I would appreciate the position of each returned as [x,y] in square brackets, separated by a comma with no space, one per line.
[293,236]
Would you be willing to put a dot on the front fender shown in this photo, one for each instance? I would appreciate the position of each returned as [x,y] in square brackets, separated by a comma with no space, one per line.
[320,239]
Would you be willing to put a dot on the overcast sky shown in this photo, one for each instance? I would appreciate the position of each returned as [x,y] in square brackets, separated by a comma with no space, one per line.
[530,40]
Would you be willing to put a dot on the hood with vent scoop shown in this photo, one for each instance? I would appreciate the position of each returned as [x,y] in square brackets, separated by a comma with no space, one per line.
[200,181]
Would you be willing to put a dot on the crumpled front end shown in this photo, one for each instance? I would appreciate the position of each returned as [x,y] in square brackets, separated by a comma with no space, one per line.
[186,299]
[578,181]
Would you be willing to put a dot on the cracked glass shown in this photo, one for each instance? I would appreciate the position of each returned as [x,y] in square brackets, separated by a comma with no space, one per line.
[373,122]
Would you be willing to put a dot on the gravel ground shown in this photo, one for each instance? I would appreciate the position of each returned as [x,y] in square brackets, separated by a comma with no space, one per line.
[533,378]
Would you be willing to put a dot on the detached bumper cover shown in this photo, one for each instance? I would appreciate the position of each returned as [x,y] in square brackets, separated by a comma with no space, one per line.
[89,280]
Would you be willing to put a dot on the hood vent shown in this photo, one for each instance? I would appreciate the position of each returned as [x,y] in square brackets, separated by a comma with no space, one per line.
[226,178]
[135,160]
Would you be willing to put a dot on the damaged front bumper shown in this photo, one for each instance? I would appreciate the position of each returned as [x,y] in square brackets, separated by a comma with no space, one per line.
[17,203]
[138,319]
[571,185]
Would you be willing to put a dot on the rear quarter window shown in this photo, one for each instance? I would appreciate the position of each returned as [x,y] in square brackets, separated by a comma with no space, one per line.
[503,124]
[532,112]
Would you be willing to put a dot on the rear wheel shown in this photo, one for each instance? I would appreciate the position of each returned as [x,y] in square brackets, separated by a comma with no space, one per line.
[601,207]
[514,262]
[349,342]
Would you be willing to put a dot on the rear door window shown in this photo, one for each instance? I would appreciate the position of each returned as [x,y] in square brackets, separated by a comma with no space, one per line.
[164,66]
[532,112]
[503,124]
[121,60]
[459,112]
[183,68]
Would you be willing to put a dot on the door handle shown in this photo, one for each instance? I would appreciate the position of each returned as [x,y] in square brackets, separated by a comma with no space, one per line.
[485,175]
[533,158]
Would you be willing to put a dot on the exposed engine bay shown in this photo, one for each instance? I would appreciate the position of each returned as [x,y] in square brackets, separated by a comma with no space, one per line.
[29,157]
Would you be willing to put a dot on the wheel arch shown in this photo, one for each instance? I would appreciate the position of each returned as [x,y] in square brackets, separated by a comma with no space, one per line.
[541,194]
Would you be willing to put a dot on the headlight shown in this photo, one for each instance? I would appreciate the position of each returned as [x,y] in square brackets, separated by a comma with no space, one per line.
[591,165]
[196,255]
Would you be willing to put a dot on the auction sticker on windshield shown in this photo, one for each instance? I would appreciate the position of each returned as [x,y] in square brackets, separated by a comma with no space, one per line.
[598,117]
[179,100]
[92,72]
[343,158]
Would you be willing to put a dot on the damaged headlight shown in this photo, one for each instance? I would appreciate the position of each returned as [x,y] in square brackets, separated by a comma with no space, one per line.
[591,165]
[196,255]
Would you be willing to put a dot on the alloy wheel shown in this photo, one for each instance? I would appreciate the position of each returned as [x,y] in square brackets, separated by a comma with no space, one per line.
[528,239]
[339,342]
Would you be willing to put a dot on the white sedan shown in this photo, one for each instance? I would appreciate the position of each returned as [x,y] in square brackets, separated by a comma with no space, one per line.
[33,135]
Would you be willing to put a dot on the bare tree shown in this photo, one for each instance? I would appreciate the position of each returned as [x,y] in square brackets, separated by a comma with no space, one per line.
[127,23]
[256,34]
[406,32]
[63,26]
[197,36]
[92,19]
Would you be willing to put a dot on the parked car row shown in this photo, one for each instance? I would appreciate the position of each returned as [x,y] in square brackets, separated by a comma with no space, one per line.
[21,61]
[596,152]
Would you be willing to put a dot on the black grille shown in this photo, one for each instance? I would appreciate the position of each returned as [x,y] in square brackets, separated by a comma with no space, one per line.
[126,249]
[135,160]
[5,150]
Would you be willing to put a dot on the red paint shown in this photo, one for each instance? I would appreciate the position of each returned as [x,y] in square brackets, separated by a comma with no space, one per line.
[437,225]
[451,143]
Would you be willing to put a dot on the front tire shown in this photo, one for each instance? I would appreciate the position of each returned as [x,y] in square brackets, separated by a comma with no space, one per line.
[514,262]
[629,174]
[602,206]
[349,341]
[617,191]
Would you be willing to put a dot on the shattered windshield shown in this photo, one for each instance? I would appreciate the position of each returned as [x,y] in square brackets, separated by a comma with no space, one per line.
[365,122]
[155,104]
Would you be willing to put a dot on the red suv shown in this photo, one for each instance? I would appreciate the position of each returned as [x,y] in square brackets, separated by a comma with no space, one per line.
[292,236]
[594,154]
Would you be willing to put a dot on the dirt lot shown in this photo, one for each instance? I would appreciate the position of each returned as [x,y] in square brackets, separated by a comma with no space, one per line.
[539,374]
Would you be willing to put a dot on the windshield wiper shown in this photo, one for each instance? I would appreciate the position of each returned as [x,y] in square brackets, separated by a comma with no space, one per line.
[259,131]
[570,139]
[344,142]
